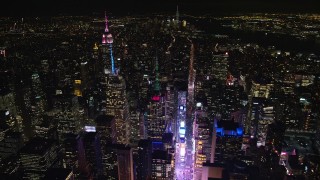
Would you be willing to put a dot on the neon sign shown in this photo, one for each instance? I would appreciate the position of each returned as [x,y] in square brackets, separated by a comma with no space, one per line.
[156,98]
[3,52]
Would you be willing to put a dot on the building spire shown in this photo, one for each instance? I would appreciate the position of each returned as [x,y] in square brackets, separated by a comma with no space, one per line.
[106,29]
[109,42]
[107,39]
[177,14]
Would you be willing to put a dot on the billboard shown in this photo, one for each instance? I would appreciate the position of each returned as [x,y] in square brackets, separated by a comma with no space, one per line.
[90,128]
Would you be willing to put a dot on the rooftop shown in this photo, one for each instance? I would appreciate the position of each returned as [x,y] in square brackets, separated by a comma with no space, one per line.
[57,174]
[37,145]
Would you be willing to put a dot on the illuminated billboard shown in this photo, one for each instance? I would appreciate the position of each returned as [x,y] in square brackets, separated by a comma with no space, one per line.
[182,152]
[182,131]
[155,98]
[182,124]
[90,128]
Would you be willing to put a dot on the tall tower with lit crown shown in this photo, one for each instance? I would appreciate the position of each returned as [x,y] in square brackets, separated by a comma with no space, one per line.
[116,97]
[155,115]
[107,40]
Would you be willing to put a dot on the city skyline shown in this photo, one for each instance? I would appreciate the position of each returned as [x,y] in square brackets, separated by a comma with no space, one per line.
[164,90]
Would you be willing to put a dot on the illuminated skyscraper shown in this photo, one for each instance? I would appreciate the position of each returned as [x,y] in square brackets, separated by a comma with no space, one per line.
[38,101]
[161,165]
[67,114]
[156,119]
[107,39]
[228,141]
[202,136]
[95,51]
[116,97]
[261,89]
[117,106]
[170,107]
[220,67]
[137,126]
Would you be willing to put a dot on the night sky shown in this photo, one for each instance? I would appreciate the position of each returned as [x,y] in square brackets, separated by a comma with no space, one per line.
[86,7]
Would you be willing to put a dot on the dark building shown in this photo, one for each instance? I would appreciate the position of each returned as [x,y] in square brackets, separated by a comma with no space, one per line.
[275,136]
[10,144]
[144,159]
[58,173]
[89,154]
[70,151]
[118,162]
[10,168]
[37,156]
[125,162]
[228,142]
[104,129]
[167,140]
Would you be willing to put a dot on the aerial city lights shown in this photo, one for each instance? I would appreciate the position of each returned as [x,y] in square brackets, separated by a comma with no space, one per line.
[139,92]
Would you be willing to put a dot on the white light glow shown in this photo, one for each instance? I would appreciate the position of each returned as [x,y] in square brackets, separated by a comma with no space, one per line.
[182,124]
[90,128]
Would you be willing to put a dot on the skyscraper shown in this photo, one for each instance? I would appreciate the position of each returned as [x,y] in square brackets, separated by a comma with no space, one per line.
[67,114]
[228,140]
[117,106]
[220,66]
[116,96]
[37,156]
[69,151]
[107,39]
[38,101]
[202,135]
[125,163]
[137,124]
[144,159]
[156,119]
[89,151]
[161,165]
[107,136]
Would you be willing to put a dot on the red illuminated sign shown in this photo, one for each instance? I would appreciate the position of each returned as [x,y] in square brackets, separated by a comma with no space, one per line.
[156,98]
[3,52]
